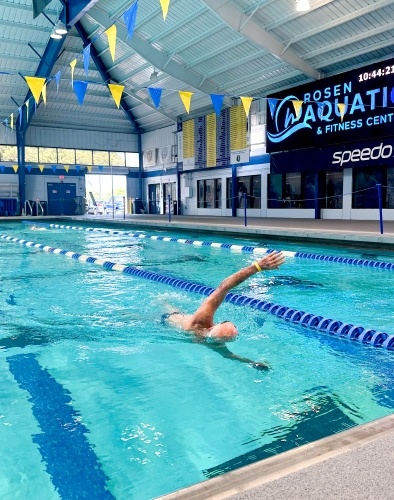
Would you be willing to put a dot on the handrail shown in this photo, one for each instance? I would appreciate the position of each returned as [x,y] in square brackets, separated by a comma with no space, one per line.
[27,204]
[42,208]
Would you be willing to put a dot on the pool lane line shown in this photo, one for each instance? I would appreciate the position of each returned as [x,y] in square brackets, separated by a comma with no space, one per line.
[308,320]
[68,456]
[239,248]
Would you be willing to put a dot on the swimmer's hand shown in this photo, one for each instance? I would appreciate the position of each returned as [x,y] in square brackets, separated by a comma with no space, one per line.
[271,261]
[260,366]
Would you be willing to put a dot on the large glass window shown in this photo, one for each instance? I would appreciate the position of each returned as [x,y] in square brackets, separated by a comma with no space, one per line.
[117,159]
[47,155]
[275,191]
[66,156]
[250,186]
[333,190]
[101,158]
[83,157]
[209,193]
[31,154]
[132,160]
[8,153]
[365,193]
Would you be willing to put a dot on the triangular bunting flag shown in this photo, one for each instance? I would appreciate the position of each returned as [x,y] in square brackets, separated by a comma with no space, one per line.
[15,167]
[54,168]
[90,168]
[66,167]
[2,168]
[28,168]
[77,168]
[272,105]
[44,94]
[217,101]
[57,79]
[155,94]
[100,167]
[186,98]
[86,58]
[320,107]
[41,167]
[164,7]
[35,85]
[111,34]
[72,64]
[12,121]
[80,90]
[246,101]
[342,108]
[297,107]
[129,18]
[116,91]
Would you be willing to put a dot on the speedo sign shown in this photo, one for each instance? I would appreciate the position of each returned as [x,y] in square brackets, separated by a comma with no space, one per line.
[362,155]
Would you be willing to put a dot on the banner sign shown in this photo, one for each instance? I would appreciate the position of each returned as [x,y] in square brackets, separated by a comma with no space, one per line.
[371,153]
[353,106]
[149,158]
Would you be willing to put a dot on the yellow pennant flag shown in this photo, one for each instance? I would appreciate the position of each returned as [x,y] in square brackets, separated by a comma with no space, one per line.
[90,168]
[116,91]
[111,34]
[66,167]
[342,108]
[246,101]
[297,107]
[72,64]
[164,7]
[186,98]
[35,85]
[44,94]
[41,167]
[12,120]
[15,167]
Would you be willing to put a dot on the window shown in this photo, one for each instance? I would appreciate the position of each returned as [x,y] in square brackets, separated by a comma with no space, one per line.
[132,160]
[209,193]
[333,190]
[83,157]
[66,156]
[250,186]
[365,193]
[47,155]
[101,158]
[390,188]
[8,153]
[275,191]
[31,154]
[117,159]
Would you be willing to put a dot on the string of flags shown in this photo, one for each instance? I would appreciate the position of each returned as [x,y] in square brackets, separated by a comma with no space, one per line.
[54,168]
[38,85]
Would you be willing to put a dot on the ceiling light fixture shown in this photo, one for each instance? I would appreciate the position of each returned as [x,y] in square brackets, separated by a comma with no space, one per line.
[54,35]
[60,28]
[154,76]
[303,5]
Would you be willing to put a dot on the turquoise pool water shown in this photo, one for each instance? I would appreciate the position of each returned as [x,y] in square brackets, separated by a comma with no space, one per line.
[100,398]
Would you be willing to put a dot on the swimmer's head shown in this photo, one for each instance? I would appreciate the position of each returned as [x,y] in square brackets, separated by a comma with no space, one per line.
[224,330]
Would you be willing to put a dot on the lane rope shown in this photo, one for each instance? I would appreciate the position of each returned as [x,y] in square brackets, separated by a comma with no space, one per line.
[246,249]
[366,336]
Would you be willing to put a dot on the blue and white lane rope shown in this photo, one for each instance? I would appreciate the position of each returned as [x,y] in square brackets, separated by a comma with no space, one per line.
[239,248]
[308,320]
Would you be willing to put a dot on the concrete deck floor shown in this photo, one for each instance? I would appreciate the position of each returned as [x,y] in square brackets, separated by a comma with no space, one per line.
[357,464]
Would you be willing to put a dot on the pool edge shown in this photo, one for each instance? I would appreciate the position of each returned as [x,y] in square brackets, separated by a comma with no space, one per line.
[279,466]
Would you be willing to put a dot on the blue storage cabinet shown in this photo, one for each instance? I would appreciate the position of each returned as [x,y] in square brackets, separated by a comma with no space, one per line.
[8,206]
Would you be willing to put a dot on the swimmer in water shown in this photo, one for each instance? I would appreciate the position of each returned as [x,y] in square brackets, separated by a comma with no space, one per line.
[201,323]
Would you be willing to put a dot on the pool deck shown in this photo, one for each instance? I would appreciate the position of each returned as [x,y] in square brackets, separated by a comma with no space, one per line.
[354,464]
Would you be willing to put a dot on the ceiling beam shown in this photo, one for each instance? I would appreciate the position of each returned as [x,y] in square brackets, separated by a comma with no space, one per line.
[234,18]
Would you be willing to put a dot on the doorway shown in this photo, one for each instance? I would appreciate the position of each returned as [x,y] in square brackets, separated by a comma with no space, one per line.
[154,198]
[61,198]
[169,189]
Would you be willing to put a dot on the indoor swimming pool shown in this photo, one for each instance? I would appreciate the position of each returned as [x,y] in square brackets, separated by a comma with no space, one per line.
[102,400]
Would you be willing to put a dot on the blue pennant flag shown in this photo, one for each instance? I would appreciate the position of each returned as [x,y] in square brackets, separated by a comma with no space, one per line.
[100,167]
[217,101]
[155,94]
[2,168]
[54,168]
[272,103]
[28,168]
[77,168]
[320,106]
[129,18]
[57,78]
[86,58]
[80,90]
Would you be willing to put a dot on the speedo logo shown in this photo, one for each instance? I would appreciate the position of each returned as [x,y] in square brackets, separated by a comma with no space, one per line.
[366,154]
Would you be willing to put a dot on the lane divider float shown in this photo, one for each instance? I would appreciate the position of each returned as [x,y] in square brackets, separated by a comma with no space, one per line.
[366,336]
[247,249]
